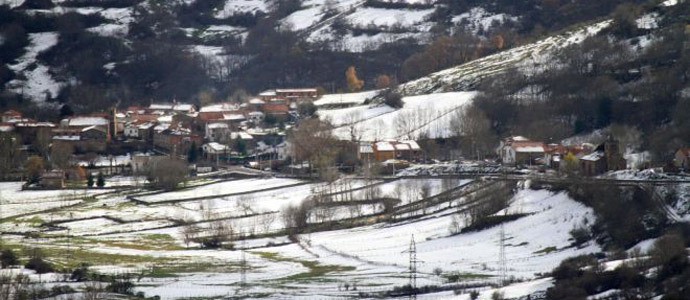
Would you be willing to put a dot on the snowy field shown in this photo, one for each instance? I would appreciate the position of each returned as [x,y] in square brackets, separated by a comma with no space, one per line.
[221,188]
[428,115]
[318,264]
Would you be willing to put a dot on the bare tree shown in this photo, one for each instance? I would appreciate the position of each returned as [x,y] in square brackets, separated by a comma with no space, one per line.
[93,290]
[61,154]
[244,204]
[352,119]
[167,173]
[189,233]
[473,124]
[266,221]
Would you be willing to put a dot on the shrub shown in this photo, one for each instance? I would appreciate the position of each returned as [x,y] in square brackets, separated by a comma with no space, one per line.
[8,258]
[393,99]
[100,181]
[121,287]
[80,274]
[580,235]
[39,265]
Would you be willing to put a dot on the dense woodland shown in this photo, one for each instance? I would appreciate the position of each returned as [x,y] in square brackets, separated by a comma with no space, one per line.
[601,82]
[153,61]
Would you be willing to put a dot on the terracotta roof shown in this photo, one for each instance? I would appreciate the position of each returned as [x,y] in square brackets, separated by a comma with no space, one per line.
[275,108]
[210,115]
[12,112]
[528,146]
[685,151]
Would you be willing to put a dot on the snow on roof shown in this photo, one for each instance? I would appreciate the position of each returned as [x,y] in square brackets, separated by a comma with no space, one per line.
[160,106]
[413,145]
[518,138]
[183,107]
[384,146]
[242,135]
[256,101]
[268,93]
[87,121]
[594,156]
[6,127]
[146,126]
[307,90]
[161,127]
[216,146]
[165,119]
[220,107]
[67,137]
[233,117]
[528,147]
[402,147]
[85,129]
[217,125]
[34,124]
[12,112]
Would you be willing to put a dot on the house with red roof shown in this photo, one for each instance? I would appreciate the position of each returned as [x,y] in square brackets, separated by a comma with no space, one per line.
[682,158]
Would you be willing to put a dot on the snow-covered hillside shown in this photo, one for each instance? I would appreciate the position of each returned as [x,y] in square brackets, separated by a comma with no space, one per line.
[529,58]
[39,83]
[423,115]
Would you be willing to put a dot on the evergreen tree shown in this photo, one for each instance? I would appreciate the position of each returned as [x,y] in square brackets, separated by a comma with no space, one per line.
[193,153]
[100,182]
[89,180]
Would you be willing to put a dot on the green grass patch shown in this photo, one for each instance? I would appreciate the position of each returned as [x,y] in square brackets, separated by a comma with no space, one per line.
[315,268]
[546,250]
[72,258]
[89,199]
[35,220]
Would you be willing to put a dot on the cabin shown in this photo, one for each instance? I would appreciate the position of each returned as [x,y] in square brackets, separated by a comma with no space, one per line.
[682,159]
[606,157]
[521,151]
[54,179]
[289,95]
[10,115]
[217,131]
[365,152]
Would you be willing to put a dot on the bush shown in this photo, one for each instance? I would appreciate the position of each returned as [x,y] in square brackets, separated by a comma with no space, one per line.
[125,287]
[39,265]
[580,235]
[100,181]
[80,274]
[8,258]
[393,99]
[167,173]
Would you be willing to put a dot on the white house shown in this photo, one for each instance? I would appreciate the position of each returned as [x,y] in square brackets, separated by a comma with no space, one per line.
[215,131]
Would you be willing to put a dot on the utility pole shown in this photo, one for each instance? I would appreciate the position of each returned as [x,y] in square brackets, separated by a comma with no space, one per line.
[502,267]
[413,268]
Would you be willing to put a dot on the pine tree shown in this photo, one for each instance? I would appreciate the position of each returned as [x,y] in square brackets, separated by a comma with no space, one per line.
[89,180]
[193,153]
[100,182]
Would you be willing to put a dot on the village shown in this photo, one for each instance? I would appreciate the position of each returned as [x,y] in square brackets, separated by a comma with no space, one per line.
[254,135]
